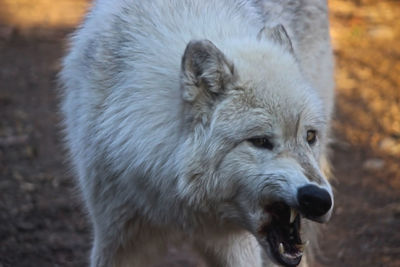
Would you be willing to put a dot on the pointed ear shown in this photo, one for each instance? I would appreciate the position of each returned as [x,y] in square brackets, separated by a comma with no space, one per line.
[205,70]
[279,35]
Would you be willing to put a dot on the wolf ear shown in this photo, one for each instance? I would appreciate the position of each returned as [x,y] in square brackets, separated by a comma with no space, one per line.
[205,70]
[279,35]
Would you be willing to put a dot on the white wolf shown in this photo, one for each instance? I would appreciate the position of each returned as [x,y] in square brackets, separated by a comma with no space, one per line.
[200,121]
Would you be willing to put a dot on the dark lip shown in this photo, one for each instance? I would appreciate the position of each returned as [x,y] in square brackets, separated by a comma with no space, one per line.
[278,231]
[280,259]
[315,219]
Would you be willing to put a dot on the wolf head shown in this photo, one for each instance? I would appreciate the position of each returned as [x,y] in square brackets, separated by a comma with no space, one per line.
[256,138]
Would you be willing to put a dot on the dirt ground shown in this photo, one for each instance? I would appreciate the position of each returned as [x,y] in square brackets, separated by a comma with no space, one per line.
[42,222]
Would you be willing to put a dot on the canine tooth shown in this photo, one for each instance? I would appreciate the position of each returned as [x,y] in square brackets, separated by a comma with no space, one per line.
[293,214]
[300,247]
[281,248]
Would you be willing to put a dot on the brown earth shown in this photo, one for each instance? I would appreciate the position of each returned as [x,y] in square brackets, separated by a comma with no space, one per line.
[41,219]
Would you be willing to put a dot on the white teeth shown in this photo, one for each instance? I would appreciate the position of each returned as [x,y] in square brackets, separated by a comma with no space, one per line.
[293,256]
[300,247]
[293,214]
[281,248]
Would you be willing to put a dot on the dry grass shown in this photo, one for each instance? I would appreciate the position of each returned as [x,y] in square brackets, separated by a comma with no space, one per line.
[367,45]
[28,15]
[366,39]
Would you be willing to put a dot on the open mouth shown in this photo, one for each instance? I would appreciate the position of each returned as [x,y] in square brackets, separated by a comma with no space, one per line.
[283,234]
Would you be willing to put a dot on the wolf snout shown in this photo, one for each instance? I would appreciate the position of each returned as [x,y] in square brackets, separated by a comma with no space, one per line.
[314,202]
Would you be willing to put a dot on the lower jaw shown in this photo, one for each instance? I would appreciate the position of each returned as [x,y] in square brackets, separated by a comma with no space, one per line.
[273,255]
[290,260]
[285,253]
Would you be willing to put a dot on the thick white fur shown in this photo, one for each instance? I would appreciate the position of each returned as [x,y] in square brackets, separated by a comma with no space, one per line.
[156,169]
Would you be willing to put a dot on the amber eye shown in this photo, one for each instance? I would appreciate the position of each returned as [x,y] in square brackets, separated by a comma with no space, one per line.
[311,137]
[261,142]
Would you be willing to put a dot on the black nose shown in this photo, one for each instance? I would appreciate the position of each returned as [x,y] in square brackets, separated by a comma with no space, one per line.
[313,201]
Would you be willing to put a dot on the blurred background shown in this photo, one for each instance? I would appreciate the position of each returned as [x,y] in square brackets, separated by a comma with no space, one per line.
[41,219]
